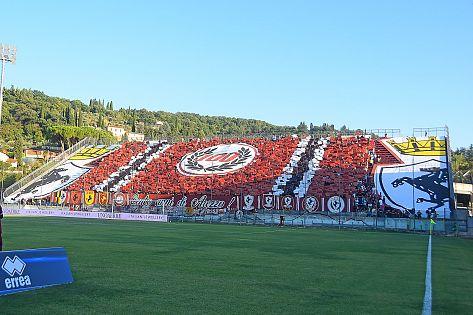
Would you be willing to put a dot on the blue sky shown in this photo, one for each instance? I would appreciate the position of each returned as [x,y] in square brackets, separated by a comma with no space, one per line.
[365,64]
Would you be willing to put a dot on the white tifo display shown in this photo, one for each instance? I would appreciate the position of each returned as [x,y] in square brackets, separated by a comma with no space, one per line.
[86,215]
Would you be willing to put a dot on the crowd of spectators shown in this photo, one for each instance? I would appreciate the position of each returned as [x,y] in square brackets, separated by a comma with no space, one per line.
[107,165]
[162,176]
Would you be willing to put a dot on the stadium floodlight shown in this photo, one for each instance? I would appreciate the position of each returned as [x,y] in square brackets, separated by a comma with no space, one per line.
[7,54]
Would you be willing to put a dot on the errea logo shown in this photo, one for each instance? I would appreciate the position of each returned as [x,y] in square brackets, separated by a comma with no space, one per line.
[12,266]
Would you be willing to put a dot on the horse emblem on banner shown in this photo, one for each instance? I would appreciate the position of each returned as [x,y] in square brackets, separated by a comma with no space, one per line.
[310,204]
[335,204]
[249,202]
[268,202]
[422,185]
[75,197]
[89,197]
[287,203]
[103,198]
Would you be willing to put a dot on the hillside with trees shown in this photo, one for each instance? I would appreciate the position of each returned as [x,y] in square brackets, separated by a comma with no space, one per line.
[32,118]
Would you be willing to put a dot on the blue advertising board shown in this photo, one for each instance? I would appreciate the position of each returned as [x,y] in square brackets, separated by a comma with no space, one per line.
[23,270]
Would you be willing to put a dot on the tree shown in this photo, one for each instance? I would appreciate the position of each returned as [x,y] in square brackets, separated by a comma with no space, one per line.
[18,147]
[68,115]
[133,122]
[101,122]
[462,163]
[69,135]
[80,120]
[302,128]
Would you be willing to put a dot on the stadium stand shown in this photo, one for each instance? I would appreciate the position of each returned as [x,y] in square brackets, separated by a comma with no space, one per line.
[315,166]
[344,166]
[316,152]
[125,173]
[384,156]
[161,175]
[107,165]
[301,168]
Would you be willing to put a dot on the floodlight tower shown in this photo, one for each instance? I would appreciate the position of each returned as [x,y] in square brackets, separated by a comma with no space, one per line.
[7,54]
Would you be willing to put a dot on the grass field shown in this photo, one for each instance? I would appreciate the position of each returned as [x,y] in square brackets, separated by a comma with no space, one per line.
[179,268]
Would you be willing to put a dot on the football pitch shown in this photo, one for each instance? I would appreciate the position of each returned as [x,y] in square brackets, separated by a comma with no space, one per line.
[180,268]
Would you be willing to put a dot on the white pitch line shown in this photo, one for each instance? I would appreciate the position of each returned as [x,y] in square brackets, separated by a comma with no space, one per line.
[427,308]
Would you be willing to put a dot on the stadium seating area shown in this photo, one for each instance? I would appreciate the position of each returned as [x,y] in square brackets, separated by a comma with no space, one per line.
[107,165]
[302,167]
[161,175]
[137,163]
[344,168]
[311,166]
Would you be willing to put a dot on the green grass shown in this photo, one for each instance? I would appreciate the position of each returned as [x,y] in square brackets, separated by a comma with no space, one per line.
[179,268]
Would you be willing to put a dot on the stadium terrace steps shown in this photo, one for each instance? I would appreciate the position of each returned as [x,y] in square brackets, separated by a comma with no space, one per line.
[385,156]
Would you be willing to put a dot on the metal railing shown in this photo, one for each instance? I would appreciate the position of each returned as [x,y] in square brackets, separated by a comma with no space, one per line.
[383,132]
[432,131]
[28,179]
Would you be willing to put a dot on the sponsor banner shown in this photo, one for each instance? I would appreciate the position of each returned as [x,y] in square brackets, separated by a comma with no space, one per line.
[23,270]
[217,160]
[86,215]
